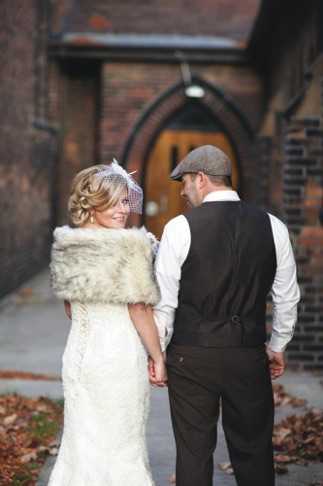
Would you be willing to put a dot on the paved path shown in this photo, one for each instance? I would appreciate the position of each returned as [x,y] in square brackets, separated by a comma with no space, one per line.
[33,332]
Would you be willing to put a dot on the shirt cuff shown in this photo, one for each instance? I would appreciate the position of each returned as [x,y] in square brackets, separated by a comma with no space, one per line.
[168,337]
[278,345]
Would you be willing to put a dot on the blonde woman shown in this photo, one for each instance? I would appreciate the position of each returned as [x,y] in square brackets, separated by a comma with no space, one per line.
[104,274]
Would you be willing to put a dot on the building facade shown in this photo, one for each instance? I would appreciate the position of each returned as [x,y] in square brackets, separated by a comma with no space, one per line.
[288,50]
[145,83]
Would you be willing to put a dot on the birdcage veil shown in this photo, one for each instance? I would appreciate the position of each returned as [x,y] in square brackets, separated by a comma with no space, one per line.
[112,175]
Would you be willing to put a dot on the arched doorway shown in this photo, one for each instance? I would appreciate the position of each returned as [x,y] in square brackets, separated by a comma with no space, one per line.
[192,127]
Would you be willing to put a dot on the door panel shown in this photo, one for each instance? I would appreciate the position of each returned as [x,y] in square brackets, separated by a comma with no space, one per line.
[162,195]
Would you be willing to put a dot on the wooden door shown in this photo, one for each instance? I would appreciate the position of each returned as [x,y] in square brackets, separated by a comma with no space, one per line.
[162,195]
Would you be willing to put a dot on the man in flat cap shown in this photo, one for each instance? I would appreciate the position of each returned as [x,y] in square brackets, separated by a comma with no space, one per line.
[215,266]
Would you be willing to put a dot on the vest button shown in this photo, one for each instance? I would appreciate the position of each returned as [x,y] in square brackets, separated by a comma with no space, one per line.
[235,319]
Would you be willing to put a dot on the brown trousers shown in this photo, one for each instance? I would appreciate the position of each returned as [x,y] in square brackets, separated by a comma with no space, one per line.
[198,378]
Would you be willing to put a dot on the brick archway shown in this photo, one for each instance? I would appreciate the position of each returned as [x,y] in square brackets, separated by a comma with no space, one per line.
[224,111]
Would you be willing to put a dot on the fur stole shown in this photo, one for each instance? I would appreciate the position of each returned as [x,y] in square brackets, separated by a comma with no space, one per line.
[112,266]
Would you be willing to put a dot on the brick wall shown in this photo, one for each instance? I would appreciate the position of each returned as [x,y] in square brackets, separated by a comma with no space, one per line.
[295,195]
[290,143]
[129,90]
[76,112]
[26,145]
[302,205]
[100,108]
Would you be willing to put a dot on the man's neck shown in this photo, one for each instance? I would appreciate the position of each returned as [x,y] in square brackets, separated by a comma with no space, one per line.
[213,188]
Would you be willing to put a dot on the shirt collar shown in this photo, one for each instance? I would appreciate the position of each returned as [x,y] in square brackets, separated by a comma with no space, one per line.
[222,196]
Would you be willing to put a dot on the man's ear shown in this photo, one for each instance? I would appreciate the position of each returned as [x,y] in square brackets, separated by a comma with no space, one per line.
[201,180]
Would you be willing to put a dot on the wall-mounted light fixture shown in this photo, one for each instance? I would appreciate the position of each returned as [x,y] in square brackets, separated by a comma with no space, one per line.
[191,90]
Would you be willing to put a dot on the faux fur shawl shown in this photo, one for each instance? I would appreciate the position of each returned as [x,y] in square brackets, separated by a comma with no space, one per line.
[103,266]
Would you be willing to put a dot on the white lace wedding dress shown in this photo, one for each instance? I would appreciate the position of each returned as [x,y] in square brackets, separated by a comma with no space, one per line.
[106,393]
[105,378]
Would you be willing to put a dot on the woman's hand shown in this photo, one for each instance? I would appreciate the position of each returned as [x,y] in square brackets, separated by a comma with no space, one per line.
[157,372]
[143,320]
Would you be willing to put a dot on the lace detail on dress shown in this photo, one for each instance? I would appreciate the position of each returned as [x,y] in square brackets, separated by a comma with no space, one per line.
[81,317]
[106,391]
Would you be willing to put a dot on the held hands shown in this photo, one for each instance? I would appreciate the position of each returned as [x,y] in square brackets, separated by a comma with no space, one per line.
[157,372]
[277,363]
[143,320]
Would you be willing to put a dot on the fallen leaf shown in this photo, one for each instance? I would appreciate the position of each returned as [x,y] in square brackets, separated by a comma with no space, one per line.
[10,420]
[28,457]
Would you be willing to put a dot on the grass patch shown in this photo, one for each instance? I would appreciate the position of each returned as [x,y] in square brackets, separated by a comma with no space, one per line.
[42,426]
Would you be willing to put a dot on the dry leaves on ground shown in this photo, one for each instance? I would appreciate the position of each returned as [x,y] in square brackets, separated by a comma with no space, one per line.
[299,440]
[29,427]
[27,435]
[284,399]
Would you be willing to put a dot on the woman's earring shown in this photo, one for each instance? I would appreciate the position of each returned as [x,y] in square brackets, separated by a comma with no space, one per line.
[92,218]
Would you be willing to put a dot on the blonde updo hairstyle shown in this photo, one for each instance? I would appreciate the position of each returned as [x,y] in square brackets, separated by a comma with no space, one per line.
[89,192]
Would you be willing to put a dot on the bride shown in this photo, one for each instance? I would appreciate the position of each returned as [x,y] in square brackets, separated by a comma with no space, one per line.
[104,274]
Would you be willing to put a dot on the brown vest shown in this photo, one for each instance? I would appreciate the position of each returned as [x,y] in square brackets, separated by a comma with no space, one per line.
[226,277]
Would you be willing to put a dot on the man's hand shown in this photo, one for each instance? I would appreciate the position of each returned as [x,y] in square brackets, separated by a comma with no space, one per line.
[277,363]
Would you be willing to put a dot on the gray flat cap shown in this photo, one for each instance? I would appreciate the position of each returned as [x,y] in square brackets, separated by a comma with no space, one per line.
[207,159]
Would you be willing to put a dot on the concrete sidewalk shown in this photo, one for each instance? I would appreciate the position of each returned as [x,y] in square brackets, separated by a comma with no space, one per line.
[33,332]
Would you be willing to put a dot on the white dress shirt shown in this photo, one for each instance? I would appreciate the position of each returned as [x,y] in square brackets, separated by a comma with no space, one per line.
[173,250]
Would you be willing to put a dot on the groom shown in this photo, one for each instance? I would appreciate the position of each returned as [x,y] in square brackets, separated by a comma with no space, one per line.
[215,266]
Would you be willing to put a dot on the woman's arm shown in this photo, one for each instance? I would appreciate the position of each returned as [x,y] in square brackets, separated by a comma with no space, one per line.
[68,310]
[143,320]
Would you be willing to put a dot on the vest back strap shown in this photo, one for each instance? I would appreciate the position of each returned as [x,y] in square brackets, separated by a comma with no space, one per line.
[224,331]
